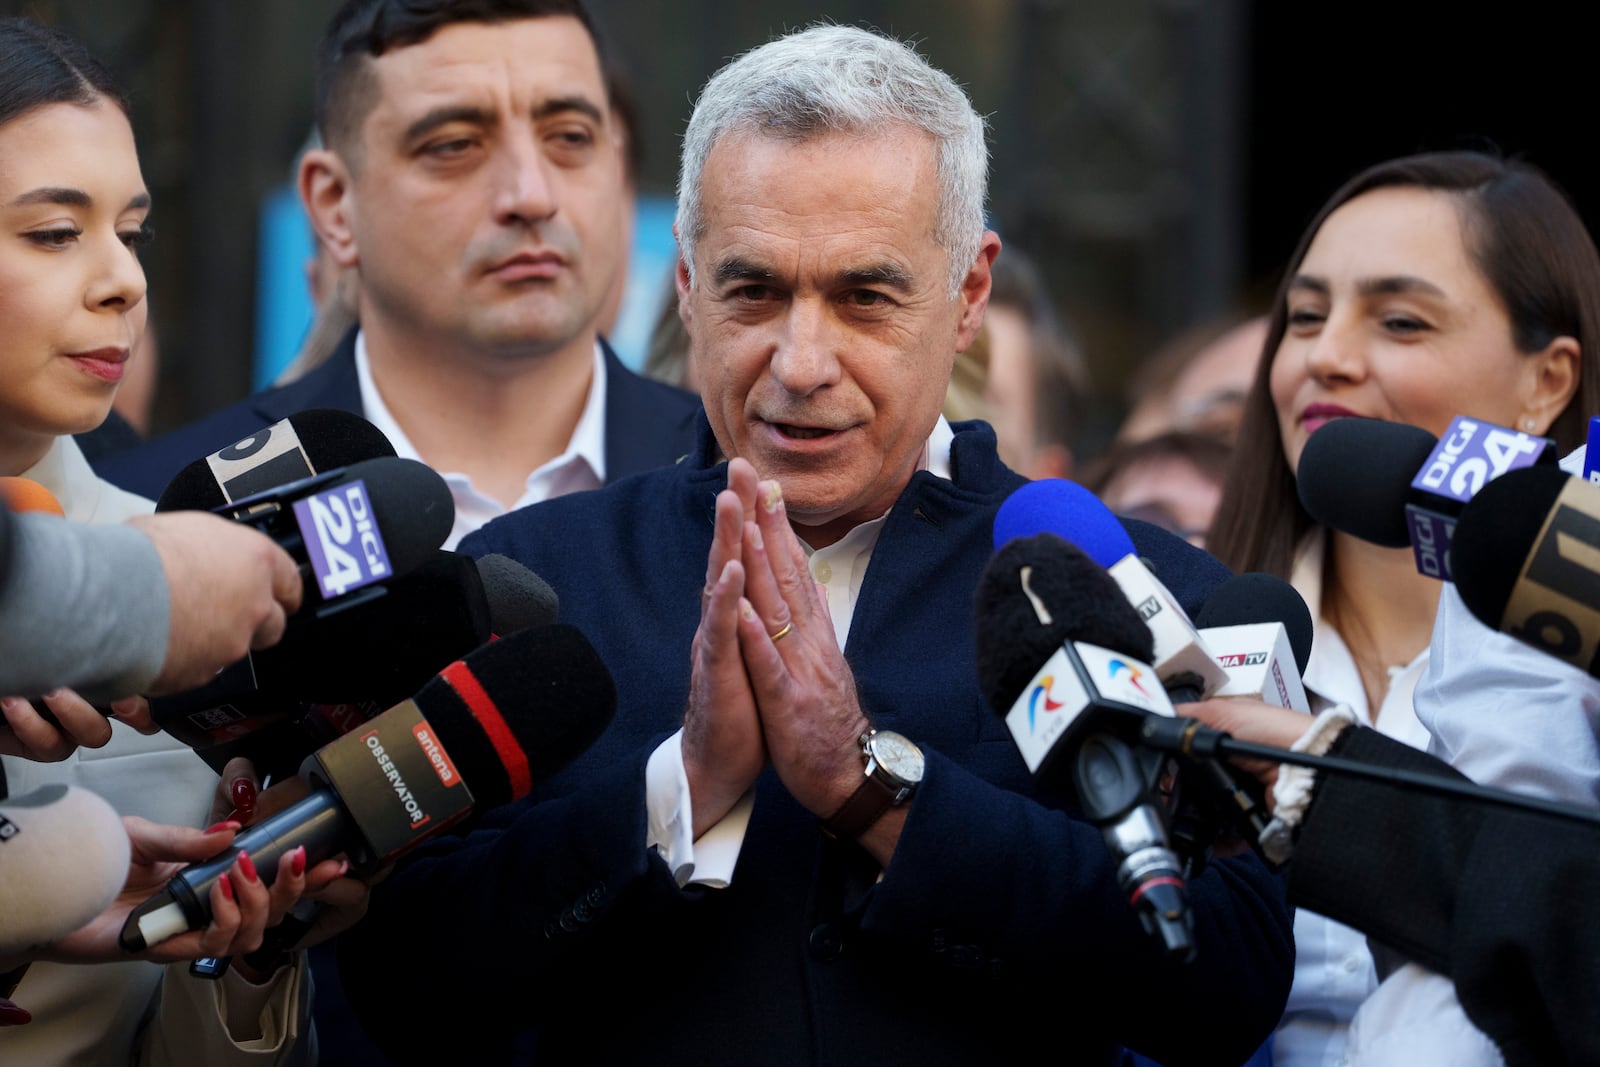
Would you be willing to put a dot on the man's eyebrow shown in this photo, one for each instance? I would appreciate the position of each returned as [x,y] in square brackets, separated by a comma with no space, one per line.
[742,270]
[1306,283]
[888,274]
[52,194]
[562,104]
[441,116]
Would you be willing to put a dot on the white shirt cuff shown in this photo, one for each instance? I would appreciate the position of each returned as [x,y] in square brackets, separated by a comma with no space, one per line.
[670,822]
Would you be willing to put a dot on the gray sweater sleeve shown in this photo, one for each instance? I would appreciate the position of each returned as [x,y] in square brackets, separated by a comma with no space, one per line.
[81,606]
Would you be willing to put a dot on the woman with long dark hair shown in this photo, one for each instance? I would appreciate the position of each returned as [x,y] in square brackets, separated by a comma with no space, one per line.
[1427,287]
[73,211]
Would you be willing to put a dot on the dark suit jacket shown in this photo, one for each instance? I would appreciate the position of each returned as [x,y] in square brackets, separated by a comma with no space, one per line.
[648,423]
[1499,902]
[997,922]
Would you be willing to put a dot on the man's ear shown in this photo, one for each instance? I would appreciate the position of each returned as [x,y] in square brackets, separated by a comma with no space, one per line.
[325,190]
[975,289]
[680,280]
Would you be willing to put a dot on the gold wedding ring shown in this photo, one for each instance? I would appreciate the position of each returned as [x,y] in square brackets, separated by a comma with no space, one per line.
[781,634]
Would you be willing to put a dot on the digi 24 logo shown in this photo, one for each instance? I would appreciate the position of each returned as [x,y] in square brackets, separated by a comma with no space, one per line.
[342,539]
[1471,452]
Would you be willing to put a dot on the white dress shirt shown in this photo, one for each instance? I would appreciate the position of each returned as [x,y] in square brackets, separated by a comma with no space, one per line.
[1333,969]
[581,466]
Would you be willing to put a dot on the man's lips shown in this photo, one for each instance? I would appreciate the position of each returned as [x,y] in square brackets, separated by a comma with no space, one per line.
[529,265]
[103,363]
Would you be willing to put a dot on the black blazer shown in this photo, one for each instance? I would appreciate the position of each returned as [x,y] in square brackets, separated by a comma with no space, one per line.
[648,423]
[1499,902]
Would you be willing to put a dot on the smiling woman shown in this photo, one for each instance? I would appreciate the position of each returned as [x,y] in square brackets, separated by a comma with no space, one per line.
[1428,287]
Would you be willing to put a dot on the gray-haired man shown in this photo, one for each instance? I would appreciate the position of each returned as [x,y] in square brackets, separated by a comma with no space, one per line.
[805,838]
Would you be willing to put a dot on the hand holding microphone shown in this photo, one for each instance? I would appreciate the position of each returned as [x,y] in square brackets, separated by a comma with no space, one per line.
[231,591]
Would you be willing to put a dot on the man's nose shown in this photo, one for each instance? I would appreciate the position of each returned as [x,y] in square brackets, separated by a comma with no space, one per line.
[524,191]
[806,358]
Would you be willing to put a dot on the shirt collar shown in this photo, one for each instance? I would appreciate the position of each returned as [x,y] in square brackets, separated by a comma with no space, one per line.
[588,436]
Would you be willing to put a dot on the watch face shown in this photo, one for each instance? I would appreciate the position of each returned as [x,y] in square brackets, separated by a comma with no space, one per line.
[898,756]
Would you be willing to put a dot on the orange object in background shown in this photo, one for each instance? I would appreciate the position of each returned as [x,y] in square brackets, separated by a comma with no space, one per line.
[25,494]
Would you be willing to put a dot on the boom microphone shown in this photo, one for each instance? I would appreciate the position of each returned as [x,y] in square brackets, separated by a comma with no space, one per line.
[1063,659]
[1527,562]
[1397,485]
[483,733]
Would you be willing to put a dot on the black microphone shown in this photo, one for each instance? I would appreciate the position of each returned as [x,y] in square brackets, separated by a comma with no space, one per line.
[1397,485]
[1063,659]
[483,733]
[1527,562]
[290,450]
[353,526]
[327,677]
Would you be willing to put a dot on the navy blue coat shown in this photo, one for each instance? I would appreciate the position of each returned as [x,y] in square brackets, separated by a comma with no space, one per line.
[996,925]
[648,423]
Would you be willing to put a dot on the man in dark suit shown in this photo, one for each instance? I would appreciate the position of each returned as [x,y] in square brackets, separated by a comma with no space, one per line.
[472,176]
[804,838]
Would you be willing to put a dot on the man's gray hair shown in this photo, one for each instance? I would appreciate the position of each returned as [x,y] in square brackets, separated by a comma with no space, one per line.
[841,78]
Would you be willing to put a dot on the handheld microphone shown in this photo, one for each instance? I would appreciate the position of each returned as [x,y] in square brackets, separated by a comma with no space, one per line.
[354,526]
[1591,453]
[483,733]
[1397,485]
[332,674]
[1527,562]
[290,450]
[1259,630]
[63,858]
[1063,659]
[1068,510]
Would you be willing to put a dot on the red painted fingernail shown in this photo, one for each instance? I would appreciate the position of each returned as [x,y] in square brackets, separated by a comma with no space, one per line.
[297,862]
[243,792]
[225,824]
[13,1014]
[227,886]
[248,867]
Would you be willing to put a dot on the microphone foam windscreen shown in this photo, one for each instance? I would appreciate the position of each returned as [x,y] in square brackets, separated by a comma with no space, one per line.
[1355,475]
[25,494]
[1068,510]
[1083,601]
[63,859]
[329,438]
[411,505]
[519,709]
[1256,597]
[1497,530]
[517,597]
[381,650]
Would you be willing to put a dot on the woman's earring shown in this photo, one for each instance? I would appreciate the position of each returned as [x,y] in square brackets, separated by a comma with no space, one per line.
[1528,424]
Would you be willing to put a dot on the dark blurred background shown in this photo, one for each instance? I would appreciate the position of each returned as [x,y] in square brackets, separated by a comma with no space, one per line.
[1158,158]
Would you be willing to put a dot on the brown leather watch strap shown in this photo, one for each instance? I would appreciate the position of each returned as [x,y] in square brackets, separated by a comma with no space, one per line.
[866,806]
